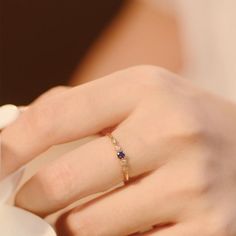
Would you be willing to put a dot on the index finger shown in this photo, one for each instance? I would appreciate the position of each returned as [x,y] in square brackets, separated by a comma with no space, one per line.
[73,114]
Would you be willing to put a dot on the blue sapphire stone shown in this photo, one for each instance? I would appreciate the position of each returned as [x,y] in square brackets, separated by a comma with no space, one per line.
[121,155]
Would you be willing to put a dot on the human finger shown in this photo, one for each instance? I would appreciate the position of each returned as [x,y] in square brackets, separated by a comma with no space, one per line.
[128,210]
[76,113]
[181,229]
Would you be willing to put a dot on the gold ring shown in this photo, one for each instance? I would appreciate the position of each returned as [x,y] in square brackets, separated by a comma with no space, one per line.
[121,156]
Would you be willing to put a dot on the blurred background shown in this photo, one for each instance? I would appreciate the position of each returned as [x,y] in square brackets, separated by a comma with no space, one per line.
[42,42]
[50,43]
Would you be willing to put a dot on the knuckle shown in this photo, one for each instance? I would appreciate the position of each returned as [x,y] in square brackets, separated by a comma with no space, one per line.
[56,183]
[150,70]
[149,77]
[40,120]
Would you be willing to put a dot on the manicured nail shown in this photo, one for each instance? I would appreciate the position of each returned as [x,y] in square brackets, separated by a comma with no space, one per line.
[8,114]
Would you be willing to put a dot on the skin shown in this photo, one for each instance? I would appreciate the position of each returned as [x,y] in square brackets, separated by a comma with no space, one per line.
[181,145]
[150,34]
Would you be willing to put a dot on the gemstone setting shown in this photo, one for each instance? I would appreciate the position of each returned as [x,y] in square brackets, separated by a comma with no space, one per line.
[121,155]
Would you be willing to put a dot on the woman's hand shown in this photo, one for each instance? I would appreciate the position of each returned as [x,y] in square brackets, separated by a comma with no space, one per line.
[181,144]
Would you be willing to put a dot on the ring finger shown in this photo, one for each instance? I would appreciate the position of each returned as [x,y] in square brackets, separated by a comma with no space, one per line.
[90,169]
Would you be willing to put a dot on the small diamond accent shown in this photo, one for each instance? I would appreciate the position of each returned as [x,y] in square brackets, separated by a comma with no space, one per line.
[121,155]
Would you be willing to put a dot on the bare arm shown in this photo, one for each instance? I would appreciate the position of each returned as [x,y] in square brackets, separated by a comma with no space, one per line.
[140,34]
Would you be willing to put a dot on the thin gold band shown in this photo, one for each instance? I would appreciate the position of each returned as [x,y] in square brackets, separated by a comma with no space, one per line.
[121,156]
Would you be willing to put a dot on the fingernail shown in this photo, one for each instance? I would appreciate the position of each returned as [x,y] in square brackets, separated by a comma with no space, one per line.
[8,114]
